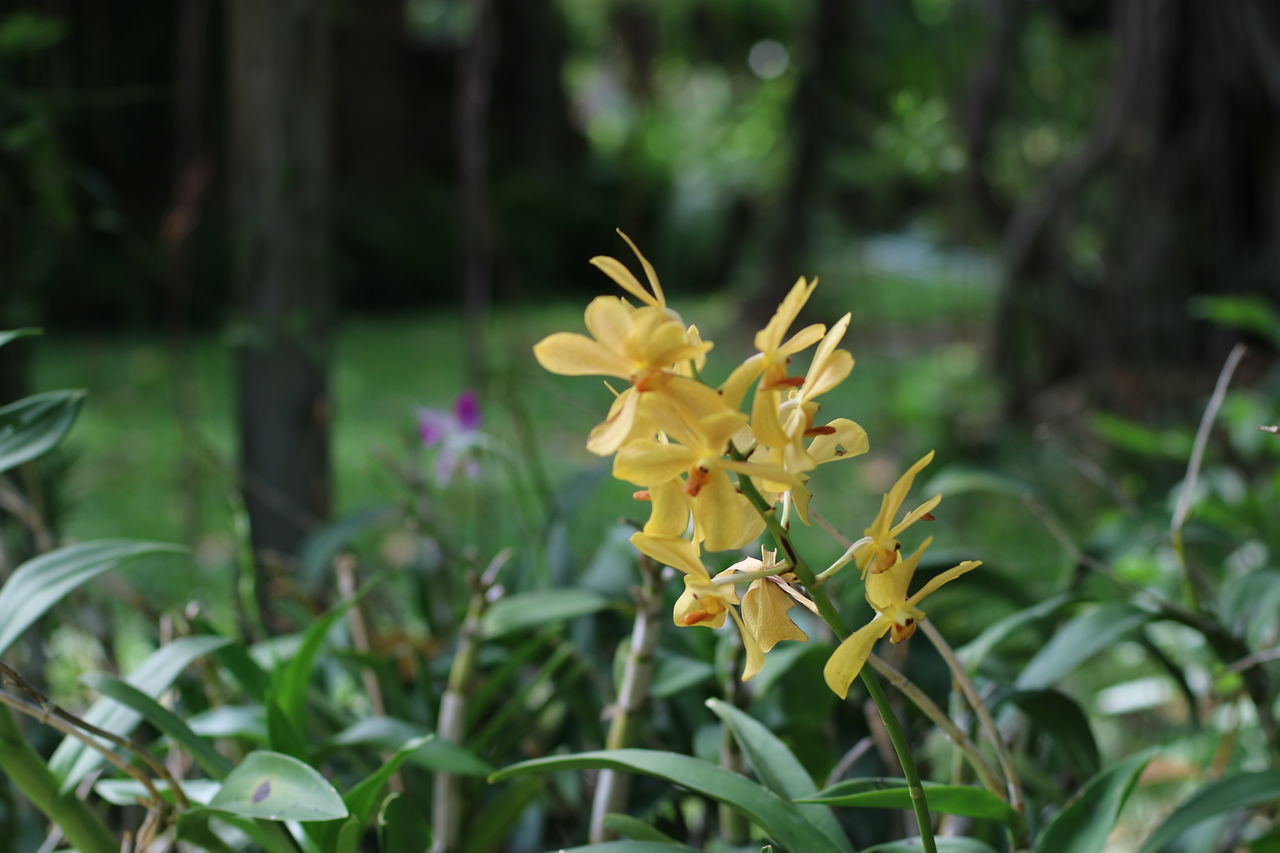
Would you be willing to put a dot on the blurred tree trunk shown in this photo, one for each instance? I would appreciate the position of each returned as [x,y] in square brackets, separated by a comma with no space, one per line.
[278,65]
[810,120]
[1175,188]
[475,82]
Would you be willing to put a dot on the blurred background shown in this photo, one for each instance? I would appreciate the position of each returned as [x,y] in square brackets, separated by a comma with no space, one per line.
[263,235]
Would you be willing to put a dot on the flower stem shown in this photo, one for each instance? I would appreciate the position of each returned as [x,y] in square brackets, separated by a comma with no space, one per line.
[841,629]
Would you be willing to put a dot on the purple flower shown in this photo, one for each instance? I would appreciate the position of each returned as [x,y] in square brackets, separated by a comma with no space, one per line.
[457,431]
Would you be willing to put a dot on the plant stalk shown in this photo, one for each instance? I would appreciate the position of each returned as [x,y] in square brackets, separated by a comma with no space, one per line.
[837,624]
[80,824]
[612,785]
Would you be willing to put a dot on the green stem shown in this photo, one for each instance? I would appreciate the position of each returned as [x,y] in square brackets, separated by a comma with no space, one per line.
[81,826]
[841,629]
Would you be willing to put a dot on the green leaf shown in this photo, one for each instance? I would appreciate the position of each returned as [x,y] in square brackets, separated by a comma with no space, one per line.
[634,829]
[40,583]
[246,721]
[363,799]
[963,800]
[534,609]
[1221,796]
[674,674]
[127,792]
[434,754]
[779,819]
[213,762]
[1063,720]
[779,770]
[72,760]
[34,425]
[401,827]
[290,685]
[946,844]
[273,786]
[956,479]
[1083,826]
[13,334]
[974,652]
[1141,439]
[1080,639]
[1251,313]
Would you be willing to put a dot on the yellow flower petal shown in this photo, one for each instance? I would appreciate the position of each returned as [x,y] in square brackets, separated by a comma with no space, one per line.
[764,610]
[725,518]
[803,339]
[680,554]
[915,515]
[648,269]
[769,338]
[735,387]
[888,589]
[765,422]
[755,657]
[622,276]
[943,578]
[847,660]
[646,462]
[609,320]
[670,513]
[571,354]
[848,440]
[606,437]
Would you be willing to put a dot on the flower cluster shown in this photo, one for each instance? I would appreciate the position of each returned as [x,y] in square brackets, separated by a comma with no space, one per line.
[693,449]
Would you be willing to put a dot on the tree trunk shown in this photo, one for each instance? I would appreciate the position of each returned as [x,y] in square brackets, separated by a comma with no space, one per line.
[279,87]
[1168,184]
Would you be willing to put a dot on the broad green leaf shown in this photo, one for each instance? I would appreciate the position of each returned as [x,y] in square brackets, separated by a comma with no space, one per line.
[433,754]
[401,827]
[1080,639]
[674,674]
[290,685]
[1219,797]
[1062,719]
[527,610]
[213,762]
[946,844]
[40,583]
[963,800]
[246,721]
[127,792]
[634,829]
[193,827]
[1141,439]
[779,819]
[779,770]
[72,760]
[501,814]
[273,786]
[1083,826]
[34,425]
[974,652]
[1251,313]
[363,799]
[955,479]
[13,334]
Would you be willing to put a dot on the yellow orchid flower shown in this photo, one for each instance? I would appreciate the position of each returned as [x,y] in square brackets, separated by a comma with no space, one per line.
[705,603]
[725,519]
[648,346]
[770,365]
[767,601]
[879,552]
[896,614]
